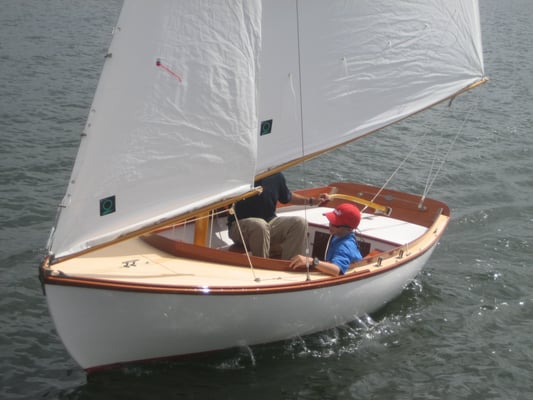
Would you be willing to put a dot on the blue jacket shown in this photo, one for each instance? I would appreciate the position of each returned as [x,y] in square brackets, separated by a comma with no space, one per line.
[342,251]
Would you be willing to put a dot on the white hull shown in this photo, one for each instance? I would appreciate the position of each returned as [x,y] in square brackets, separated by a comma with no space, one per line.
[137,300]
[101,328]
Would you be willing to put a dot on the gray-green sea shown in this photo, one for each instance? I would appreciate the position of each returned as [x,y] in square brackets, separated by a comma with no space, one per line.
[462,330]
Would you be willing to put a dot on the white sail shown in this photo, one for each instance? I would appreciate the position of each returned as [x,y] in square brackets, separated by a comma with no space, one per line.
[335,70]
[173,122]
[198,97]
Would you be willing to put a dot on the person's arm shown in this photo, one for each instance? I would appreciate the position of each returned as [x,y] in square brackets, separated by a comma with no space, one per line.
[300,262]
[309,201]
[301,200]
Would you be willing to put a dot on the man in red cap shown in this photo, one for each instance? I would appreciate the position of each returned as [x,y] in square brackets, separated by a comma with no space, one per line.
[342,248]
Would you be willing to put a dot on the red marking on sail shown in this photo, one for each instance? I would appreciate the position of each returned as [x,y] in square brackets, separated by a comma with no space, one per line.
[161,65]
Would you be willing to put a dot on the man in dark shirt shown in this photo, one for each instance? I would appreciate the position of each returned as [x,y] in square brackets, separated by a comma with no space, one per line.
[262,230]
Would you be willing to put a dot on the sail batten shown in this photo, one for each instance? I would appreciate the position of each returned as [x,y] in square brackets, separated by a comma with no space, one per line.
[200,97]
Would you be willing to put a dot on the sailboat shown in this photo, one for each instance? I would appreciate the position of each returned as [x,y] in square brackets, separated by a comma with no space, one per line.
[196,101]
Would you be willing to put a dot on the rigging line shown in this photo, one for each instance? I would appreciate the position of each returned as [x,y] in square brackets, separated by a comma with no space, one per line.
[302,136]
[409,154]
[433,175]
[431,169]
[396,170]
[459,132]
[434,158]
[232,211]
[412,150]
[302,167]
[300,75]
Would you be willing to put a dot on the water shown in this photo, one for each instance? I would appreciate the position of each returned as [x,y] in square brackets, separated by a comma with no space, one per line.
[462,330]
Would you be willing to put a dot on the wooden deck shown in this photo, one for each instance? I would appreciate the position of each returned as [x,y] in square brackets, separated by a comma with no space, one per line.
[136,262]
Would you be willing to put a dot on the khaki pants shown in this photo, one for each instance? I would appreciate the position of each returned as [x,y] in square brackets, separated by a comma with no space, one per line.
[266,239]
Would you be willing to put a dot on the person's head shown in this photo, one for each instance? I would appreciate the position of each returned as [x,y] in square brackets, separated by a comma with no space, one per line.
[344,218]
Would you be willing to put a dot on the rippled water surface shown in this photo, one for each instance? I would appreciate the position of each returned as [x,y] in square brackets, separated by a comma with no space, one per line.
[462,330]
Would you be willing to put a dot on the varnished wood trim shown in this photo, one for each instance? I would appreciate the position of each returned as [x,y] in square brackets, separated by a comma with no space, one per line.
[434,215]
[430,238]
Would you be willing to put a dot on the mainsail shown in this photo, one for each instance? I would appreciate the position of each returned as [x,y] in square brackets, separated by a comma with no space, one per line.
[198,97]
[332,71]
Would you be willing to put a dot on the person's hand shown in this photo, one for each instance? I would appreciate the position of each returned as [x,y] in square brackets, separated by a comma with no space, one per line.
[299,262]
[323,199]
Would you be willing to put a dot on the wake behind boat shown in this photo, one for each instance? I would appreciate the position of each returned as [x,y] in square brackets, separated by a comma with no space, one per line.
[196,101]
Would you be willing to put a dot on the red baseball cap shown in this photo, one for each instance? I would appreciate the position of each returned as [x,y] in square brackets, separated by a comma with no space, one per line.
[345,214]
